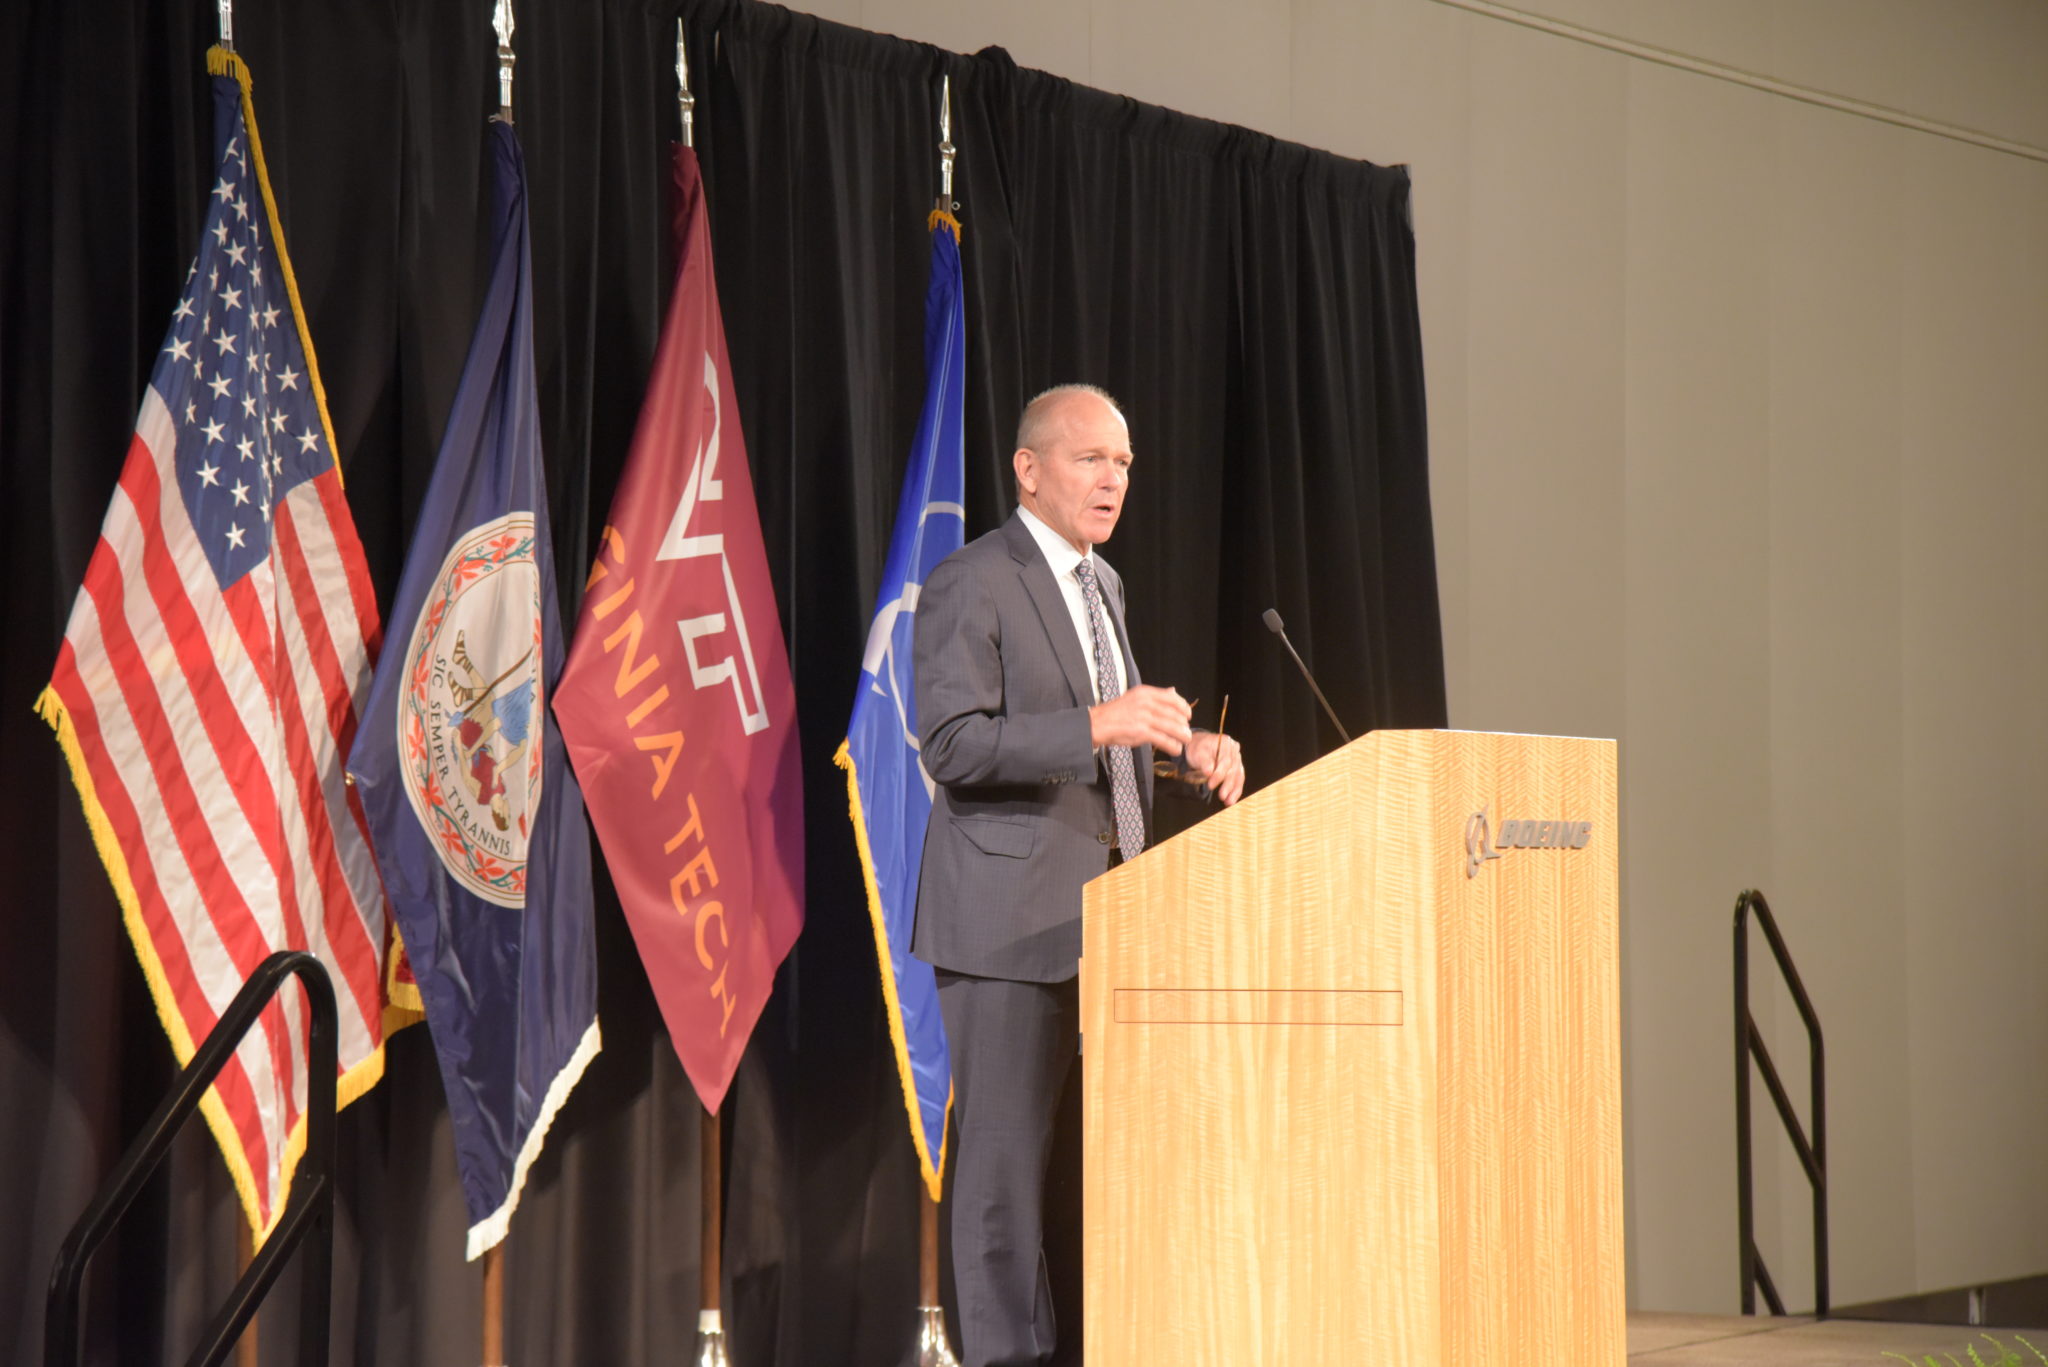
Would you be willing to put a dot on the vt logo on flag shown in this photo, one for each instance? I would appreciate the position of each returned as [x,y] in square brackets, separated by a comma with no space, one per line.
[693,536]
[476,817]
[677,703]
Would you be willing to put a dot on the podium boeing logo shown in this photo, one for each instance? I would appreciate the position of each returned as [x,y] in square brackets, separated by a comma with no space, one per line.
[1480,845]
[1478,841]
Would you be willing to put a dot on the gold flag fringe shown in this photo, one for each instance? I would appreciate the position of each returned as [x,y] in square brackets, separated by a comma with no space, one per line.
[933,1171]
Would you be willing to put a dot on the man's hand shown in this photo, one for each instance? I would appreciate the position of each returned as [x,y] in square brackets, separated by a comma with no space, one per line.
[1144,715]
[1218,762]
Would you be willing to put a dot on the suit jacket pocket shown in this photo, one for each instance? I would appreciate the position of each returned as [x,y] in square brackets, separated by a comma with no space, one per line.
[993,836]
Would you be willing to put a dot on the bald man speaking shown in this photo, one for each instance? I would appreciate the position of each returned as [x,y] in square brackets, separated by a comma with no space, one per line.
[1040,734]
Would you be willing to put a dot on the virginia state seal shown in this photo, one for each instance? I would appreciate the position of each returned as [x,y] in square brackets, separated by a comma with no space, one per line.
[470,715]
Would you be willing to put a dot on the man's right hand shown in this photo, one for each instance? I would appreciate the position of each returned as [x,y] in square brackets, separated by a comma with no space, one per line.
[1144,715]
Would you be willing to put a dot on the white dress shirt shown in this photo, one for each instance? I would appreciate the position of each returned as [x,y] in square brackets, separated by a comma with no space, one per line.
[1062,557]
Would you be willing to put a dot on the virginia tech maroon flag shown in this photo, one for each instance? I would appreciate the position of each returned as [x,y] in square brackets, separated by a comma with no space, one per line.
[677,703]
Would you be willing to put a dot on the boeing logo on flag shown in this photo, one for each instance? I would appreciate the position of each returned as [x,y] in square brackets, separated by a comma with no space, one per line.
[701,487]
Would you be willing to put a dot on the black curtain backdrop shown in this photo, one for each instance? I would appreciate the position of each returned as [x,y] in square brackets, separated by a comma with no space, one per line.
[1252,303]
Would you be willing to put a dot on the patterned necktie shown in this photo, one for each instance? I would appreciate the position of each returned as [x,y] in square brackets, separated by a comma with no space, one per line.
[1123,768]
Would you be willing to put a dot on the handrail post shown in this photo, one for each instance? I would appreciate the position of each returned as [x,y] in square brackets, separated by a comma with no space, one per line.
[1750,1048]
[308,1213]
[1745,1217]
[1817,1107]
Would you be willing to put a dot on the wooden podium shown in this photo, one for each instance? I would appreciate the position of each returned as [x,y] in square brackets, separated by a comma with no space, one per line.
[1351,1069]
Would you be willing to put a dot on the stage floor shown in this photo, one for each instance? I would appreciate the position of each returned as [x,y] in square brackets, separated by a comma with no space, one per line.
[1661,1340]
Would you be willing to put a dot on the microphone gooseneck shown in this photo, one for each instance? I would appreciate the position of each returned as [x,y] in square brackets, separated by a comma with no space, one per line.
[1274,625]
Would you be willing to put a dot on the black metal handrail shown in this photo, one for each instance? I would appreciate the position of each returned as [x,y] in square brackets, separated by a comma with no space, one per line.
[1813,1154]
[307,1217]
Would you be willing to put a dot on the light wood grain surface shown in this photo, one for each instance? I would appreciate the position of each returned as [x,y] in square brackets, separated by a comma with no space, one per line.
[1344,1103]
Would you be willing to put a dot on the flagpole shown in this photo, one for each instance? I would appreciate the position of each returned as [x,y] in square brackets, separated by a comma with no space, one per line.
[246,1354]
[710,1325]
[245,1237]
[933,1347]
[946,148]
[501,20]
[927,1250]
[492,1330]
[710,1322]
[686,103]
[494,1306]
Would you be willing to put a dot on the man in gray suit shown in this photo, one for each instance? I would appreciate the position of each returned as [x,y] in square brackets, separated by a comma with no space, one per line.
[1035,726]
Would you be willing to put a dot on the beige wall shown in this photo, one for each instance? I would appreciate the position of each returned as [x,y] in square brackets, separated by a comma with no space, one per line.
[1739,427]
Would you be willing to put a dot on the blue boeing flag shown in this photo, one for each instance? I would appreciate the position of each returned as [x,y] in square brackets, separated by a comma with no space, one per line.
[891,797]
[473,808]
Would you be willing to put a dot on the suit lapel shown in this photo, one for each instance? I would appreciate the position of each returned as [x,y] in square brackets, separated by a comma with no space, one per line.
[1052,608]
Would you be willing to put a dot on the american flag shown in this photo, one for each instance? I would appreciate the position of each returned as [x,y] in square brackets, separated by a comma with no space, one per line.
[209,681]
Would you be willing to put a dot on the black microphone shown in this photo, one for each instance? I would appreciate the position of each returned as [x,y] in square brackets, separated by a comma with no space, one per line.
[1273,624]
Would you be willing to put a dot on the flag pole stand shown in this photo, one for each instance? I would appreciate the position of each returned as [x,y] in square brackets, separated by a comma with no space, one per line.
[245,1253]
[932,1348]
[494,1306]
[710,1326]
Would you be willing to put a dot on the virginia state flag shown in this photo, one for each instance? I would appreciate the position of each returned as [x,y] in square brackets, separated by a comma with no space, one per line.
[891,797]
[475,815]
[678,705]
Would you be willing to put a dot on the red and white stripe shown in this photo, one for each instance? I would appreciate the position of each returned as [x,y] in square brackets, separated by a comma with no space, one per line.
[213,726]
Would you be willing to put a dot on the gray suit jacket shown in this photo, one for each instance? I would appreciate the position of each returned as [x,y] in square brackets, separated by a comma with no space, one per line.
[1022,818]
